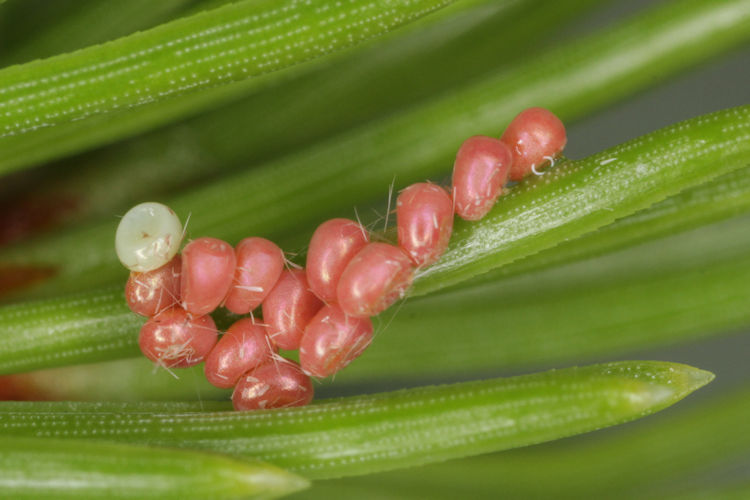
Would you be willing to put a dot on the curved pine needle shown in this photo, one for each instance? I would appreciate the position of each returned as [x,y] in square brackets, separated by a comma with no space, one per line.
[365,434]
[656,458]
[390,75]
[586,194]
[722,198]
[47,468]
[685,288]
[233,43]
[128,379]
[416,144]
[577,197]
[674,290]
[80,24]
[91,326]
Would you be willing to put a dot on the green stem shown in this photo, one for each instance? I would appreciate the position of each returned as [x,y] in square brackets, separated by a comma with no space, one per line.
[365,434]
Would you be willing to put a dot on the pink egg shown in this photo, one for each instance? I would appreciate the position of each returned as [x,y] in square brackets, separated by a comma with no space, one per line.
[151,292]
[376,277]
[207,270]
[424,215]
[289,307]
[275,384]
[244,346]
[259,265]
[333,245]
[332,340]
[176,339]
[534,137]
[479,174]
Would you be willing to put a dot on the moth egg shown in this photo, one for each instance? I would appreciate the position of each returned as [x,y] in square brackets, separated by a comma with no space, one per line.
[148,236]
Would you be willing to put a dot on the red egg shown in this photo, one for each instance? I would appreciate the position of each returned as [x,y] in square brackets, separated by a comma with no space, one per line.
[151,292]
[479,174]
[275,384]
[333,245]
[244,346]
[176,339]
[207,270]
[424,215]
[535,137]
[332,340]
[289,307]
[259,265]
[376,277]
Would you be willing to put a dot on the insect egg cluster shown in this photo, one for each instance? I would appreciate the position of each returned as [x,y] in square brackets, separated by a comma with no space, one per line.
[324,309]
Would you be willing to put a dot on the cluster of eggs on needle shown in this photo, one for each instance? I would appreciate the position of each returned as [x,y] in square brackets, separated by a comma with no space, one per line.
[323,310]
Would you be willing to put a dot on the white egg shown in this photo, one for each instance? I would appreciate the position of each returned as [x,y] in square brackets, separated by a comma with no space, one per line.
[148,236]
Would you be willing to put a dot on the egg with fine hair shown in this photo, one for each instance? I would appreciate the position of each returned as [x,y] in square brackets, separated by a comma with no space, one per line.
[148,237]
